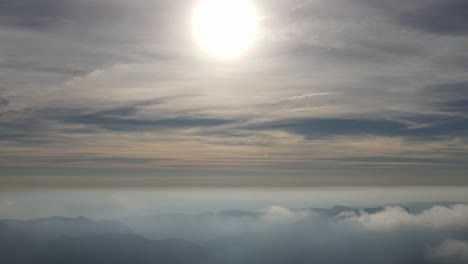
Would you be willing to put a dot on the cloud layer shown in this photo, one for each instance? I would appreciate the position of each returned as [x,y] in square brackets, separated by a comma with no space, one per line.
[392,218]
[421,233]
[365,86]
[450,251]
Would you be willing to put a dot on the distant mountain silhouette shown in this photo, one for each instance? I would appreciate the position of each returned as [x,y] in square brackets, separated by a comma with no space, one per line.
[84,241]
[23,241]
[227,237]
[53,227]
[121,249]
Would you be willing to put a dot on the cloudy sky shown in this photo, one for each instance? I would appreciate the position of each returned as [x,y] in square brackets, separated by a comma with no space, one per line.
[361,92]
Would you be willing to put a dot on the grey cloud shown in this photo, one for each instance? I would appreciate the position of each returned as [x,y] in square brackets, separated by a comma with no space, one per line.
[25,130]
[47,42]
[449,97]
[453,90]
[123,120]
[126,118]
[33,14]
[448,17]
[460,61]
[4,102]
[449,251]
[329,127]
[368,54]
[389,48]
[359,55]
[40,67]
[36,125]
[123,160]
[119,124]
[449,161]
[323,127]
[52,14]
[460,106]
[88,158]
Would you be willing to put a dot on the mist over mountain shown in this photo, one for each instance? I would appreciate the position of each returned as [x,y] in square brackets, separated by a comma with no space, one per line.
[407,233]
[45,229]
[201,227]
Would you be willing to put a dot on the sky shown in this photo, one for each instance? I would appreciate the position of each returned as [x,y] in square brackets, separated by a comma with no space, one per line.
[331,93]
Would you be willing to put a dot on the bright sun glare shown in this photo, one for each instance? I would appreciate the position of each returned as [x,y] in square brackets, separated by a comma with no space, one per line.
[225,28]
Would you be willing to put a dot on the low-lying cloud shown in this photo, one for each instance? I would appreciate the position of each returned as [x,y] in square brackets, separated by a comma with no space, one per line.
[415,233]
[392,218]
[450,251]
[278,214]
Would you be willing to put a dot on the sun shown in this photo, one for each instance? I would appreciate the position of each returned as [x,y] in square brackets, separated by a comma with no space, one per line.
[225,28]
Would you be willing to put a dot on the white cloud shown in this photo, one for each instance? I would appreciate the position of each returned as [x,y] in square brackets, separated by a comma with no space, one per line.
[397,217]
[278,214]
